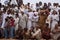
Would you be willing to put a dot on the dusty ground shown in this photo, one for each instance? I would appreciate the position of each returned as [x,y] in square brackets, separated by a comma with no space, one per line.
[55,36]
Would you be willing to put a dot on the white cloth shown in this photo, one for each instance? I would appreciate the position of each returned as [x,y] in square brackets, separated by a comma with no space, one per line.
[54,8]
[35,20]
[22,9]
[26,11]
[55,19]
[16,9]
[23,20]
[2,8]
[36,13]
[41,6]
[9,15]
[29,23]
[37,32]
[33,7]
[30,14]
[16,23]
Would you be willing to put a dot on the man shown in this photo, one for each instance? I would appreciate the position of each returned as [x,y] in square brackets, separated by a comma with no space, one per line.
[54,19]
[30,15]
[22,20]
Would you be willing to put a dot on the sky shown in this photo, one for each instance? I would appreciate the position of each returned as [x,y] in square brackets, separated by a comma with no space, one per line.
[36,1]
[43,1]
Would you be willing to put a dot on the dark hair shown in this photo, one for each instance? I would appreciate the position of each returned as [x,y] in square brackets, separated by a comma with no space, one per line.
[55,4]
[47,24]
[28,4]
[53,12]
[49,9]
[49,4]
[17,15]
[25,29]
[6,19]
[37,4]
[45,6]
[9,11]
[40,3]
[4,9]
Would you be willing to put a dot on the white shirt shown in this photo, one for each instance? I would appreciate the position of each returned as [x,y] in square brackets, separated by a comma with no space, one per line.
[30,14]
[16,20]
[35,18]
[4,16]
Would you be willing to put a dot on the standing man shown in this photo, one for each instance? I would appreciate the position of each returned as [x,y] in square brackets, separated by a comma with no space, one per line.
[54,19]
[22,20]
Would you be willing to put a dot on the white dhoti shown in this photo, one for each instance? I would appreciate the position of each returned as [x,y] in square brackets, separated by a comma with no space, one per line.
[16,27]
[16,23]
[29,23]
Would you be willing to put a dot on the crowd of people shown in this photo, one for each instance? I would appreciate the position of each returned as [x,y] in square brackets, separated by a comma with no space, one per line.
[26,22]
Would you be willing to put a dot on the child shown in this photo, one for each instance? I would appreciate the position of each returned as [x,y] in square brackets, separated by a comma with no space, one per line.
[12,28]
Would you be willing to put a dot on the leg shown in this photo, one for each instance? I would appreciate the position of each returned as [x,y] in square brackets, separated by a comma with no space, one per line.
[12,30]
[6,33]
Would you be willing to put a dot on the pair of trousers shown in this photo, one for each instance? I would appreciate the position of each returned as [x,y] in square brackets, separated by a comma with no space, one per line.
[6,33]
[12,31]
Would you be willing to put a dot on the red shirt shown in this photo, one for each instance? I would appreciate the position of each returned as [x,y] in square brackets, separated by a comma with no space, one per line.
[12,22]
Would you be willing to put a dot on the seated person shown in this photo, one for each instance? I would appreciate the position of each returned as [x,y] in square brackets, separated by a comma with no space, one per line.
[26,33]
[46,32]
[56,29]
[37,32]
[18,33]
